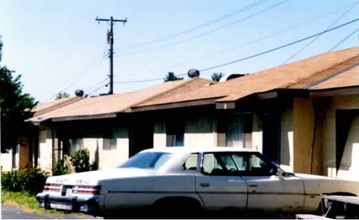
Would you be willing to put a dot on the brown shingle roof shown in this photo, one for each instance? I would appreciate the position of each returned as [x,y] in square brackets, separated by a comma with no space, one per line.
[296,75]
[122,102]
[42,108]
[347,78]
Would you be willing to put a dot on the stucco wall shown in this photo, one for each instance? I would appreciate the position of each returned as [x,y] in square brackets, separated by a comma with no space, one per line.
[6,160]
[349,166]
[159,134]
[306,145]
[45,149]
[286,141]
[329,132]
[24,153]
[200,132]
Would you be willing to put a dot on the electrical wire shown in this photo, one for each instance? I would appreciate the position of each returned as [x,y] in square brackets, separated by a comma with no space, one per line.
[206,33]
[250,42]
[258,54]
[344,39]
[277,48]
[317,37]
[190,30]
[255,55]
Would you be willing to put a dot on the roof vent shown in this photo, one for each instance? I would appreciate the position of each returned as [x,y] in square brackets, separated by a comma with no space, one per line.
[235,75]
[193,73]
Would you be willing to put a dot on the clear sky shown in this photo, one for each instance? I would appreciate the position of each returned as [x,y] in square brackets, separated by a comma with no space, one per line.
[57,46]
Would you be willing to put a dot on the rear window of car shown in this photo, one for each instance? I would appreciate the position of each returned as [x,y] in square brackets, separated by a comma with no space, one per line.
[147,160]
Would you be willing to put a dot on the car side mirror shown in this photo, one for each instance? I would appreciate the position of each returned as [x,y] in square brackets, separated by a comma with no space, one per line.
[282,174]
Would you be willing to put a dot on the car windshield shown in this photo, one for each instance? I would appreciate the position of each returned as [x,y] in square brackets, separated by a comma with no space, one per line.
[147,160]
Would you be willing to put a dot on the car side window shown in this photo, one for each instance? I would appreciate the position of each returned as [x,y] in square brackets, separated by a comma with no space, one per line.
[236,164]
[258,167]
[191,162]
[211,165]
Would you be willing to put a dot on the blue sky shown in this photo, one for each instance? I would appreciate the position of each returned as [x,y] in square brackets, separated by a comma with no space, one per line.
[57,46]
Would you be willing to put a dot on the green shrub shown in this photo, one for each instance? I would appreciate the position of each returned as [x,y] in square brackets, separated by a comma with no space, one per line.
[60,168]
[11,181]
[31,181]
[81,160]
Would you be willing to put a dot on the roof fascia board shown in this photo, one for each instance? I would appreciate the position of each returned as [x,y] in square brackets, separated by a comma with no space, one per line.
[175,105]
[354,90]
[84,117]
[225,105]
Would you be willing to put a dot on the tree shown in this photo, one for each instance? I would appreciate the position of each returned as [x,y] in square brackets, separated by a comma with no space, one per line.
[15,108]
[172,77]
[62,95]
[217,76]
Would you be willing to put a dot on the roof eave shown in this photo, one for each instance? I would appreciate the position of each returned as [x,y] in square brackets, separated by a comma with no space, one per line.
[175,105]
[351,90]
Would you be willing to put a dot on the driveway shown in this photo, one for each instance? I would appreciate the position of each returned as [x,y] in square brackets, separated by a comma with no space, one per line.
[10,212]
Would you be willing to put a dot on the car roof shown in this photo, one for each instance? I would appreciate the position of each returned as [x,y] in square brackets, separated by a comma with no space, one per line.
[198,149]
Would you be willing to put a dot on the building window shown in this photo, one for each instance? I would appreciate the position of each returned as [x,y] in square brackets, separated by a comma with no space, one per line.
[175,133]
[237,130]
[109,139]
[271,136]
[343,123]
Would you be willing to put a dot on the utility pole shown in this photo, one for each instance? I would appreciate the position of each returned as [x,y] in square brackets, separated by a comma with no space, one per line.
[110,41]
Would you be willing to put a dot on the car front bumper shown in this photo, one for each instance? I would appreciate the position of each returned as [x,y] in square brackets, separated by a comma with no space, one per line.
[87,205]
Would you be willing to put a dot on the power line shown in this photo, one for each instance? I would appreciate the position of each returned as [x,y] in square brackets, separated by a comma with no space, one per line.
[254,41]
[216,20]
[255,55]
[277,48]
[206,33]
[344,39]
[317,37]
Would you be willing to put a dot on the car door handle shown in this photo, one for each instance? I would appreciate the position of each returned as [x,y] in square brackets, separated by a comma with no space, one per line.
[252,188]
[204,184]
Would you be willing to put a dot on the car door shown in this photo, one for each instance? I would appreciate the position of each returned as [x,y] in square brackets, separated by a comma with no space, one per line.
[269,191]
[218,186]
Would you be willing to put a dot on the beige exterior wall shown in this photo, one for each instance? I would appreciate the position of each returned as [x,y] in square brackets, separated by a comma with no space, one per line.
[286,141]
[200,132]
[112,157]
[257,134]
[349,166]
[45,149]
[323,110]
[6,160]
[159,134]
[329,133]
[307,146]
[24,153]
[105,158]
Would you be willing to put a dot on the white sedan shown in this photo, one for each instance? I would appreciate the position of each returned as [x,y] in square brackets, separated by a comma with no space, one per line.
[183,180]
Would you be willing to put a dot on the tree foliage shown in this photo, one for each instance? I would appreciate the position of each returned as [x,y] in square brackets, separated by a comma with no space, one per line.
[15,108]
[62,95]
[172,77]
[217,76]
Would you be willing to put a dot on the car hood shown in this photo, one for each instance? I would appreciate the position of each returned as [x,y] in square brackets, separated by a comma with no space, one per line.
[93,177]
